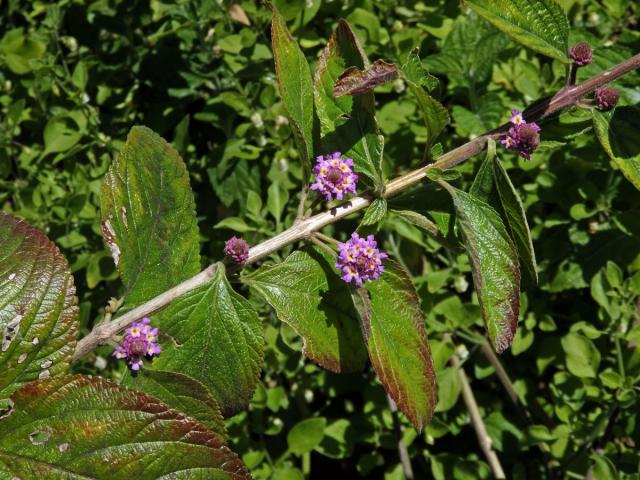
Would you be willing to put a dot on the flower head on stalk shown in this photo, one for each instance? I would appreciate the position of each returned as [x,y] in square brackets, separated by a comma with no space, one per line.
[581,54]
[607,98]
[335,177]
[360,260]
[522,137]
[140,341]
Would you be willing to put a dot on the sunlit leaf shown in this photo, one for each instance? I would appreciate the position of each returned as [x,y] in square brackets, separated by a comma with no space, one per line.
[88,427]
[38,306]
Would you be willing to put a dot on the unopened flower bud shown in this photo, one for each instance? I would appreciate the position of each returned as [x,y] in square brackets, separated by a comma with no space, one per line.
[581,54]
[607,98]
[237,249]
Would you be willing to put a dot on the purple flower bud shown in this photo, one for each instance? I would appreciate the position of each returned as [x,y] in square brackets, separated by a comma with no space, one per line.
[523,137]
[139,341]
[237,249]
[334,176]
[360,260]
[581,54]
[607,98]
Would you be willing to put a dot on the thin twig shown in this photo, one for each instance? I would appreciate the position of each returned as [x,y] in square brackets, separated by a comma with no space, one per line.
[326,238]
[303,198]
[402,448]
[476,420]
[305,228]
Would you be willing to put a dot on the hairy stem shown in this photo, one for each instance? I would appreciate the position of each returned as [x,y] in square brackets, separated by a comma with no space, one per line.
[305,228]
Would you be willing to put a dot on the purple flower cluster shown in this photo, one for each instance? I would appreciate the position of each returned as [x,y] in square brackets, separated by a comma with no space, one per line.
[360,260]
[522,137]
[140,341]
[237,249]
[334,176]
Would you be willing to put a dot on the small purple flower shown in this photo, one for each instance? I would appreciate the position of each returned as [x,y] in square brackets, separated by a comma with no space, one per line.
[334,176]
[523,137]
[139,341]
[237,249]
[581,54]
[607,98]
[516,117]
[360,260]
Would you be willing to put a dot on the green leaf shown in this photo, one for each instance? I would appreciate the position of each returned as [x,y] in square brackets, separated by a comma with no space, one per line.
[583,358]
[394,331]
[449,388]
[617,132]
[307,294]
[60,134]
[413,71]
[148,217]
[38,307]
[295,84]
[435,115]
[483,184]
[540,25]
[306,435]
[603,468]
[354,81]
[88,427]
[347,123]
[514,212]
[494,264]
[376,212]
[217,339]
[181,392]
[19,50]
[277,200]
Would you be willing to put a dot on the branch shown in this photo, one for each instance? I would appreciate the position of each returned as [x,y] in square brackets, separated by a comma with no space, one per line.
[476,420]
[402,448]
[305,228]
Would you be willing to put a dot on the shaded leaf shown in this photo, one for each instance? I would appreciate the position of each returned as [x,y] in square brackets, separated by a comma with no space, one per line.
[354,81]
[295,84]
[307,294]
[306,435]
[617,132]
[583,358]
[483,187]
[376,212]
[514,212]
[347,123]
[537,24]
[218,340]
[183,393]
[393,327]
[494,264]
[38,306]
[148,217]
[88,427]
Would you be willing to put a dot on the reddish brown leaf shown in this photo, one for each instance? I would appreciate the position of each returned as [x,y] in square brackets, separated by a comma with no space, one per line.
[354,81]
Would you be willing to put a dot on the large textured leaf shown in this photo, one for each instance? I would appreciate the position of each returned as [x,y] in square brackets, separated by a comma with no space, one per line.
[537,24]
[494,264]
[38,307]
[617,132]
[393,326]
[218,341]
[514,212]
[80,427]
[148,217]
[347,123]
[307,293]
[296,86]
[182,393]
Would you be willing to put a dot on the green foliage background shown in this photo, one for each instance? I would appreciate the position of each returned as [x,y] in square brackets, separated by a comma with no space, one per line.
[75,76]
